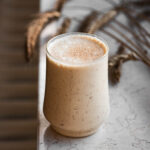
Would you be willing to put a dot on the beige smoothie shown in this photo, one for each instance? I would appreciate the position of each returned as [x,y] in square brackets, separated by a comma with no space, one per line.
[76,97]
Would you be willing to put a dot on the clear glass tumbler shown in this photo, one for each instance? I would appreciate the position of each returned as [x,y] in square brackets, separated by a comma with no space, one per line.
[76,97]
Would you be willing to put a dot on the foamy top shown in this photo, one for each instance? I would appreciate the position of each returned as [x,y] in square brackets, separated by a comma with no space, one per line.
[77,49]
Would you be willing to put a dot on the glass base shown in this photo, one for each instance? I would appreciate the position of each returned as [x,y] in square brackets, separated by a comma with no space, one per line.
[73,133]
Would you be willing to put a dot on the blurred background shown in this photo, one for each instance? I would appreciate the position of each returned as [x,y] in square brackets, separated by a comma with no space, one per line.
[18,78]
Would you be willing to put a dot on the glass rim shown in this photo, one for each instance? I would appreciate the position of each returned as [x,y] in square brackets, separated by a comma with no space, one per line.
[57,61]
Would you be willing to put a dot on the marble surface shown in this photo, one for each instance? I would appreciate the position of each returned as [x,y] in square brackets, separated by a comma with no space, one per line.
[128,126]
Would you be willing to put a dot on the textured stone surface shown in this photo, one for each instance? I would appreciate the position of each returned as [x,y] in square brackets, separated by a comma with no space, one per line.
[128,126]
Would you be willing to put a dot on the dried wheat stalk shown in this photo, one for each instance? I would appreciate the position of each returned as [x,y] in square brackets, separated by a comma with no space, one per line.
[102,20]
[59,5]
[83,26]
[115,63]
[35,27]
[64,26]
